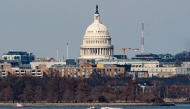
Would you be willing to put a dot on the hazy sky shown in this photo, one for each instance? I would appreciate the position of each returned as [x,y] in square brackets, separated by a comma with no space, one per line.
[40,26]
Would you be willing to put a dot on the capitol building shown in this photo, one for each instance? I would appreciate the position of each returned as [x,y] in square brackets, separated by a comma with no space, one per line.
[96,41]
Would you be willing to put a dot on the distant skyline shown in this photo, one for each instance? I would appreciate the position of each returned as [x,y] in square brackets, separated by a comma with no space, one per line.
[42,26]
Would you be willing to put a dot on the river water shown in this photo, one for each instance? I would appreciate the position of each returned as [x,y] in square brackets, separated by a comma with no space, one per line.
[178,106]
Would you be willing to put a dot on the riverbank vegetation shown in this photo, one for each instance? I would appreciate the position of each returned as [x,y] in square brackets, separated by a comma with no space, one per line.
[56,89]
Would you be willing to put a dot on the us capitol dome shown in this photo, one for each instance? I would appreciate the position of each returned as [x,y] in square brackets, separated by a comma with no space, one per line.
[96,41]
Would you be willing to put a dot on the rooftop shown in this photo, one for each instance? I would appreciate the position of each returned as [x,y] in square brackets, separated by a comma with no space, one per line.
[125,60]
[17,53]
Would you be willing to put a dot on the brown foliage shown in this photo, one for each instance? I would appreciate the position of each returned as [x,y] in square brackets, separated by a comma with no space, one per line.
[83,92]
[132,89]
[7,94]
[110,97]
[96,93]
[68,95]
[38,94]
[28,93]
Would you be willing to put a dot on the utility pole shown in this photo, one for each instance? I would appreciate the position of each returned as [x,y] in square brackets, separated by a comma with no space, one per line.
[57,54]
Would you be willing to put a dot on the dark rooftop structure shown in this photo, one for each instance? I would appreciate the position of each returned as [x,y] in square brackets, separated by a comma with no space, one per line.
[16,58]
[148,56]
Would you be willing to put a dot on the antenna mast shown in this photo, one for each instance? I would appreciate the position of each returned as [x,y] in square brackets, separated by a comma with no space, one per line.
[142,40]
[67,51]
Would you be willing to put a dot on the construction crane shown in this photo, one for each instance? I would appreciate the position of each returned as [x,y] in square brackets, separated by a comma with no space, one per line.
[124,49]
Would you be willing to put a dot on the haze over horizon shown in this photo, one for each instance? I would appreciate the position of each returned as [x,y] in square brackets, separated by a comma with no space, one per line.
[42,26]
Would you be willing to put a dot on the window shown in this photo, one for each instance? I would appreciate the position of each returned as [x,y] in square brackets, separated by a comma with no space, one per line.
[5,58]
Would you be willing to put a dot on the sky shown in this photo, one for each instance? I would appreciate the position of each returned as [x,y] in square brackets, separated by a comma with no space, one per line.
[42,26]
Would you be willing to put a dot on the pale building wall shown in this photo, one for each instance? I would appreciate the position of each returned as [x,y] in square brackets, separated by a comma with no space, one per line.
[48,64]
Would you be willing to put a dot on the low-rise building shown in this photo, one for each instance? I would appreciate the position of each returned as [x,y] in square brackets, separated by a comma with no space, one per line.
[8,70]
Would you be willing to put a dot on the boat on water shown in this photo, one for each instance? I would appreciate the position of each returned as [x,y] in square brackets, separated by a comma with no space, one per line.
[92,107]
[110,108]
[18,105]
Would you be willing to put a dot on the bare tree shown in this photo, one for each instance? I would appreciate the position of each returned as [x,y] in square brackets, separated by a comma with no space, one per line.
[38,94]
[28,93]
[83,92]
[8,94]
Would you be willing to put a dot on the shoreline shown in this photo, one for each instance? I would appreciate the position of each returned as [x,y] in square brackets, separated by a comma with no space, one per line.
[84,104]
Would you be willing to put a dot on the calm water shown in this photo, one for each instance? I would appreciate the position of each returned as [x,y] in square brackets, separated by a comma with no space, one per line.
[178,106]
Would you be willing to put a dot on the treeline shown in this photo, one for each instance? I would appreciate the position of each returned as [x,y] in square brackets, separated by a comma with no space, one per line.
[58,89]
[184,54]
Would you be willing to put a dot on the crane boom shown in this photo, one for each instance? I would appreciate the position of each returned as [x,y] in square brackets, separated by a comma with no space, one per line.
[124,49]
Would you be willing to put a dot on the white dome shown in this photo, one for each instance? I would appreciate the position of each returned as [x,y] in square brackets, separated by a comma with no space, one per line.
[96,29]
[96,41]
